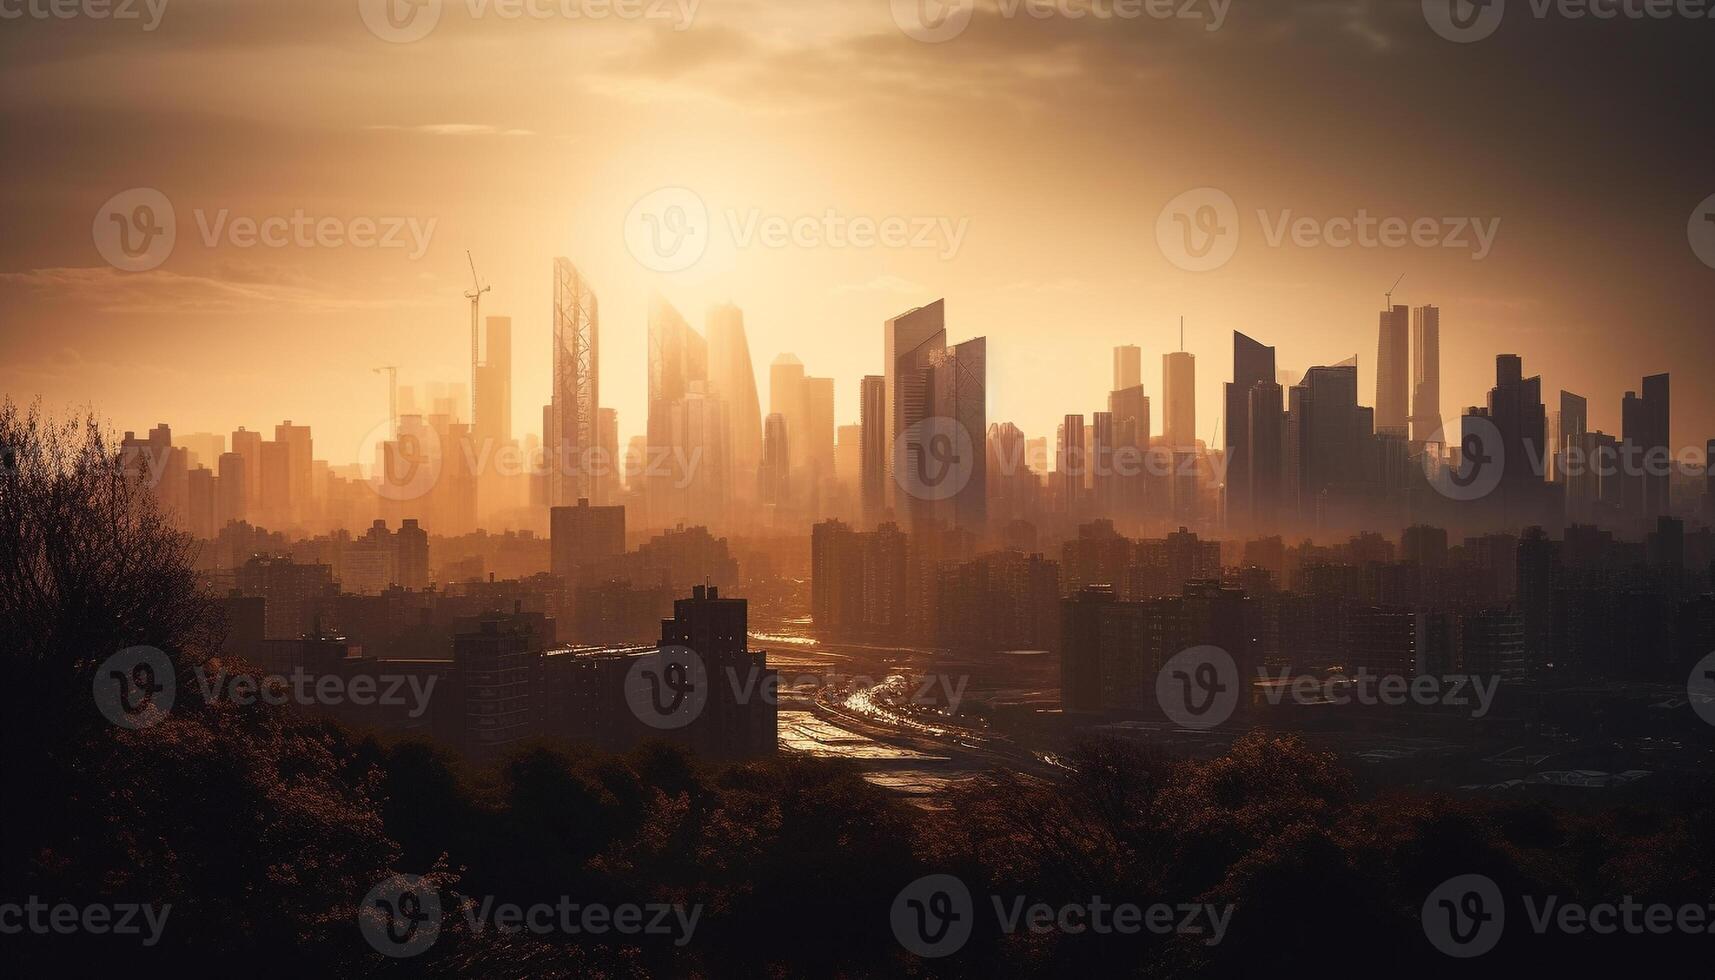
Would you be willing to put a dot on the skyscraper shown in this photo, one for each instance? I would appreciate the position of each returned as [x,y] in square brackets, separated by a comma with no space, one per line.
[907,342]
[1644,452]
[959,391]
[1425,372]
[678,368]
[1069,466]
[872,478]
[492,424]
[248,445]
[818,427]
[232,493]
[1253,364]
[1265,433]
[773,478]
[609,465]
[1516,410]
[577,389]
[786,399]
[1392,371]
[1128,367]
[733,379]
[1570,422]
[299,452]
[1331,430]
[1179,393]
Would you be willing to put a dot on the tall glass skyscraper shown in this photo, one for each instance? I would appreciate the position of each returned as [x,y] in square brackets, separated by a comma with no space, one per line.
[575,467]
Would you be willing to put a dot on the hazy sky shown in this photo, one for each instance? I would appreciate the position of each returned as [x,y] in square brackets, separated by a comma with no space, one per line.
[1048,145]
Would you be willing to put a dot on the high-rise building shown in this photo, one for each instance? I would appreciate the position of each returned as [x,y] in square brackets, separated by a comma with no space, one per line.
[848,456]
[1569,423]
[873,469]
[1516,410]
[774,474]
[231,502]
[678,365]
[818,428]
[1069,466]
[1128,367]
[1425,373]
[248,445]
[1104,481]
[299,453]
[492,422]
[581,535]
[1253,364]
[1130,410]
[609,466]
[907,342]
[1332,432]
[1644,442]
[959,392]
[1393,363]
[733,379]
[1179,395]
[1265,468]
[276,502]
[576,397]
[204,448]
[786,399]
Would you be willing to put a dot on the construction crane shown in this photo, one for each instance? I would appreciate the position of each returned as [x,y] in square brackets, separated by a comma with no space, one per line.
[392,397]
[475,297]
[1390,290]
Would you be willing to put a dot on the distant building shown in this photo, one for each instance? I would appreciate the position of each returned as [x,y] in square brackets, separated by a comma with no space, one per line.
[583,535]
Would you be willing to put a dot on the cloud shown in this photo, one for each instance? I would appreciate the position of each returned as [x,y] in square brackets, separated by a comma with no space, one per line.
[108,290]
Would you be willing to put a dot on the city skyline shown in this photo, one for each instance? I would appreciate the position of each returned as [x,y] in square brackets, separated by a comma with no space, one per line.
[212,323]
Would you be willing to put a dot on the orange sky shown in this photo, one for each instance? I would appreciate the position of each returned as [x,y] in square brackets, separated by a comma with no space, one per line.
[1052,145]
